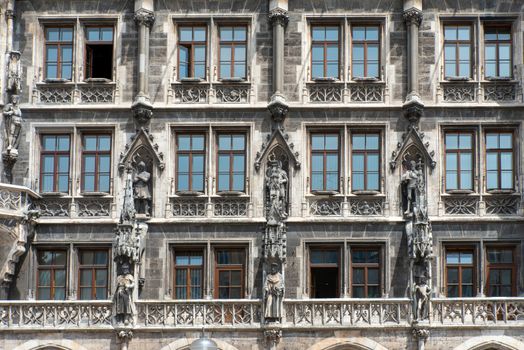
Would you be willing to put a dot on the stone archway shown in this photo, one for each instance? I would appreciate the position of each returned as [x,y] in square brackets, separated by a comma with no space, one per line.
[183,344]
[498,342]
[360,343]
[63,344]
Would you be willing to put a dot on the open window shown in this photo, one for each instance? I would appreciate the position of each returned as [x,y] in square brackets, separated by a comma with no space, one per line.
[99,52]
[324,269]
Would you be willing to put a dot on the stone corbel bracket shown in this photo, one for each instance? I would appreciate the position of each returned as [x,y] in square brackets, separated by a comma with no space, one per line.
[412,136]
[412,16]
[142,139]
[281,137]
[278,16]
[144,17]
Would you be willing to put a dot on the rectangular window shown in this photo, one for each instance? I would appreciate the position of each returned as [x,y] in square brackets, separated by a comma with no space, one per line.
[499,161]
[99,52]
[324,161]
[229,273]
[457,51]
[365,273]
[54,163]
[96,163]
[497,52]
[460,272]
[233,52]
[501,272]
[51,274]
[365,51]
[325,54]
[324,272]
[189,274]
[365,162]
[459,160]
[93,272]
[192,52]
[190,162]
[231,170]
[58,53]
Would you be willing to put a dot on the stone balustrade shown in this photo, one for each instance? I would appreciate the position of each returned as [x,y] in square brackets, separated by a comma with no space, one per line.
[15,199]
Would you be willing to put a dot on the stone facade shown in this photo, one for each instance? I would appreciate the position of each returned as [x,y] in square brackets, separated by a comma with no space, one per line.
[277,106]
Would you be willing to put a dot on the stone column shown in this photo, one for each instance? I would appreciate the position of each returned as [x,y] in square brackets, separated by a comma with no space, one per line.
[144,18]
[413,17]
[278,18]
[9,17]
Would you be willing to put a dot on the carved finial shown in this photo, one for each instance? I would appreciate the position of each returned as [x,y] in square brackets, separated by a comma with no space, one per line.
[412,16]
[278,16]
[144,17]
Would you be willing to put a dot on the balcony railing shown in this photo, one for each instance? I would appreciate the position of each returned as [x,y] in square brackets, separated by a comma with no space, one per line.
[15,199]
[247,313]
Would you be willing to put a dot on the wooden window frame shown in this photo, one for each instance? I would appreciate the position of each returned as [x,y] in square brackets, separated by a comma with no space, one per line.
[366,266]
[495,266]
[499,151]
[231,154]
[459,151]
[497,42]
[324,152]
[51,268]
[233,44]
[229,267]
[97,154]
[55,154]
[190,154]
[457,44]
[188,269]
[365,43]
[310,266]
[88,74]
[59,45]
[365,152]
[460,266]
[93,268]
[325,44]
[191,46]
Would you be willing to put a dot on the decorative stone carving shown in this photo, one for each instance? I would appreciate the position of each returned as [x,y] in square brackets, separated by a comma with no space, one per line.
[142,189]
[325,93]
[502,205]
[366,92]
[273,294]
[14,73]
[124,306]
[141,148]
[278,108]
[278,16]
[421,294]
[273,336]
[189,207]
[413,137]
[420,333]
[53,207]
[97,94]
[13,125]
[230,207]
[191,93]
[55,95]
[326,207]
[144,17]
[10,199]
[280,137]
[96,207]
[412,16]
[232,94]
[462,205]
[366,207]
[497,92]
[459,93]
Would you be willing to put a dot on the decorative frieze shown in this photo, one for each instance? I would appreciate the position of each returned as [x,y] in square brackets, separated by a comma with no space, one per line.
[366,206]
[54,207]
[94,207]
[191,93]
[458,92]
[325,93]
[97,94]
[360,92]
[477,311]
[461,205]
[10,199]
[232,93]
[502,205]
[326,207]
[55,94]
[188,207]
[499,92]
[236,207]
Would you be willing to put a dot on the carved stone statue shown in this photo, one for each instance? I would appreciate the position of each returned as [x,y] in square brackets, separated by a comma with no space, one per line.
[273,294]
[142,194]
[13,124]
[13,73]
[411,181]
[276,187]
[422,293]
[124,306]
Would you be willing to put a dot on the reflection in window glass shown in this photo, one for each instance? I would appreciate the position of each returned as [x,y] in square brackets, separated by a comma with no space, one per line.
[457,51]
[190,162]
[231,162]
[192,52]
[58,53]
[54,163]
[459,161]
[189,274]
[365,162]
[497,52]
[233,46]
[499,161]
[365,51]
[325,52]
[51,274]
[324,161]
[365,273]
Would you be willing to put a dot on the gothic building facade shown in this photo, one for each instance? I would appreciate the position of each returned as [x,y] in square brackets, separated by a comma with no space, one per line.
[272,174]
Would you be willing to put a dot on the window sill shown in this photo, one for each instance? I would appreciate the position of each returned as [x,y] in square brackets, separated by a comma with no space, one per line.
[495,192]
[365,79]
[192,80]
[232,80]
[56,81]
[365,193]
[231,194]
[460,192]
[495,79]
[98,81]
[95,194]
[325,80]
[325,193]
[457,79]
[189,194]
[54,194]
